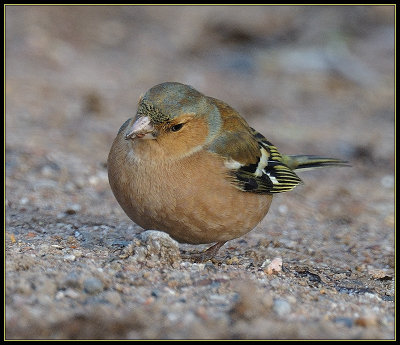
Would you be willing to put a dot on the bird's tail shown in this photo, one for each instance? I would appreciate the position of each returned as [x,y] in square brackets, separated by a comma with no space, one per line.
[308,162]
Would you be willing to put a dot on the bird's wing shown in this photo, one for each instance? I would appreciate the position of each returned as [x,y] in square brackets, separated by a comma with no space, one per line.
[255,165]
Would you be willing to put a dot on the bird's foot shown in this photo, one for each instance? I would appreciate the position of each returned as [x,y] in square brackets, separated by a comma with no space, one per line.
[206,255]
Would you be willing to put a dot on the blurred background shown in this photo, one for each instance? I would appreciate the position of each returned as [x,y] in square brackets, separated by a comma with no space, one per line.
[312,79]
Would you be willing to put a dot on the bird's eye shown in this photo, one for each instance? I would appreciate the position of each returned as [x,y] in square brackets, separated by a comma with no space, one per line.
[177,127]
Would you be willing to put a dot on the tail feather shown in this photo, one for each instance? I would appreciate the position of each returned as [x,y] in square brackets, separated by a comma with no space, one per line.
[308,162]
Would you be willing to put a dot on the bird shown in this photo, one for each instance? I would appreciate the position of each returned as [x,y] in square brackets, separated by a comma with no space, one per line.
[190,165]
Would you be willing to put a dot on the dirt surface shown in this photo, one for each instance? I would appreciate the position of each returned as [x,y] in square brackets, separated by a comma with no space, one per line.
[314,80]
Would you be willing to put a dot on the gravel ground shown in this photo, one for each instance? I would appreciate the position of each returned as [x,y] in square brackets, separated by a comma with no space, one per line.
[312,79]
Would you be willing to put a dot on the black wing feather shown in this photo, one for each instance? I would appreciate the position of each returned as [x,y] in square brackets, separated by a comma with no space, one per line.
[275,177]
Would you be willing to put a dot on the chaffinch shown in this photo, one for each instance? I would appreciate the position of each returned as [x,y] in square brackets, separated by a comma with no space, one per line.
[191,166]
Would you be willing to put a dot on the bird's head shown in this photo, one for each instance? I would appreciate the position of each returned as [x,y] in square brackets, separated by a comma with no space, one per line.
[175,116]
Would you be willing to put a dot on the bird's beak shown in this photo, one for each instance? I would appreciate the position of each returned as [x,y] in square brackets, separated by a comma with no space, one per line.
[141,128]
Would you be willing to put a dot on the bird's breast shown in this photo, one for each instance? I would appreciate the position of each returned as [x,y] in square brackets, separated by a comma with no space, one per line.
[192,198]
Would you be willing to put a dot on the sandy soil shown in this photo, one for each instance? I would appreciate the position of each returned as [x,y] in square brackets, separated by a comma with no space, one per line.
[315,80]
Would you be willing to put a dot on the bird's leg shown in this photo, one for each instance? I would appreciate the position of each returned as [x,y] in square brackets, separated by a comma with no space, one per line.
[207,254]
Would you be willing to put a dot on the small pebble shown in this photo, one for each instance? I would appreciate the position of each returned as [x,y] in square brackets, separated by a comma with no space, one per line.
[346,321]
[155,293]
[287,243]
[371,295]
[210,266]
[387,181]
[92,285]
[387,298]
[71,293]
[23,201]
[366,321]
[77,253]
[72,280]
[69,186]
[378,273]
[113,297]
[57,246]
[59,295]
[78,235]
[94,180]
[281,307]
[232,261]
[47,171]
[154,247]
[274,266]
[69,257]
[282,209]
[73,209]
